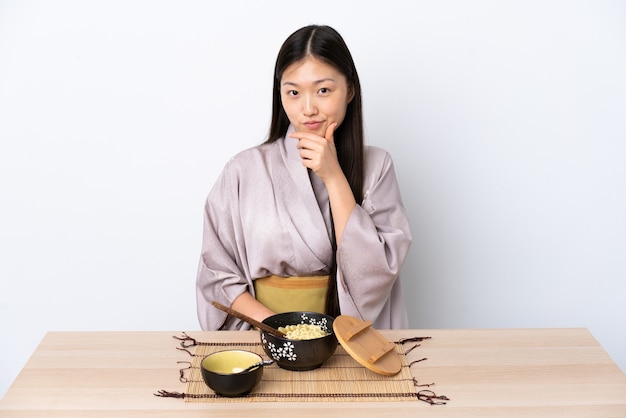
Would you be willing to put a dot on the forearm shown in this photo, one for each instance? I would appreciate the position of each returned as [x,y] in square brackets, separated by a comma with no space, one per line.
[248,305]
[342,203]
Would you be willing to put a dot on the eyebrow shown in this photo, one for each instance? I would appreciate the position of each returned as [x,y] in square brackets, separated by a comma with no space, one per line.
[323,80]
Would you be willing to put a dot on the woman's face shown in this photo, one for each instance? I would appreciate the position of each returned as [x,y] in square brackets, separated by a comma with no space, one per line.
[314,95]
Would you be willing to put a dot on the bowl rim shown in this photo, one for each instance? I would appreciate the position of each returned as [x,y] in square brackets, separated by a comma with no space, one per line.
[230,374]
[330,329]
[300,312]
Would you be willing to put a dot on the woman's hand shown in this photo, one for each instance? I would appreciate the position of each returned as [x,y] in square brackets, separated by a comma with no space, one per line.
[319,153]
[248,305]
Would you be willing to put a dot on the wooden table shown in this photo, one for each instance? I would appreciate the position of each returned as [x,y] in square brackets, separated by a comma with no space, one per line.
[487,373]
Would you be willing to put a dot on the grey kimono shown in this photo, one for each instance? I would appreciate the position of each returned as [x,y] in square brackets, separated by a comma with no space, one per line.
[268,214]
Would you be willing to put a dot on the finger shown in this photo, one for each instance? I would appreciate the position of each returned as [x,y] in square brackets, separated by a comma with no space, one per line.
[305,135]
[329,135]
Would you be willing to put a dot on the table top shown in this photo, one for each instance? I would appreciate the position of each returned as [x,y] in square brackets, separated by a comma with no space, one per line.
[487,373]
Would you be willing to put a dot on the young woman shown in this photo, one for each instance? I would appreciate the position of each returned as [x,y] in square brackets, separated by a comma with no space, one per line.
[312,219]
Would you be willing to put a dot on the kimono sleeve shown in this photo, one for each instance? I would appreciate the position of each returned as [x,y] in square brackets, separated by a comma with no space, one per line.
[220,277]
[374,246]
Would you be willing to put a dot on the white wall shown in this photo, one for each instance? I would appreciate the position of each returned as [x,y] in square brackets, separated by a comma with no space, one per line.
[506,121]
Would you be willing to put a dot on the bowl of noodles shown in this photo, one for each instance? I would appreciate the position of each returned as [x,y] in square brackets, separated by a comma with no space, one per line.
[309,340]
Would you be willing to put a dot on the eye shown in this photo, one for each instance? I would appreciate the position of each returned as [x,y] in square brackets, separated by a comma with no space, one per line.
[292,92]
[324,90]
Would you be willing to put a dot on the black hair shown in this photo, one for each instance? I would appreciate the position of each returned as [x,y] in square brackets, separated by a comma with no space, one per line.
[326,45]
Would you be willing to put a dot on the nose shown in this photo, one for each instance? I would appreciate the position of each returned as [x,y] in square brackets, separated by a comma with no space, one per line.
[309,106]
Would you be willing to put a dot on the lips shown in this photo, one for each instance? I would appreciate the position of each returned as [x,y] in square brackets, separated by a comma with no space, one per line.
[312,125]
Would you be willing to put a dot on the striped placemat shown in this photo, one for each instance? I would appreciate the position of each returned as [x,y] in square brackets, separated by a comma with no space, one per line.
[340,378]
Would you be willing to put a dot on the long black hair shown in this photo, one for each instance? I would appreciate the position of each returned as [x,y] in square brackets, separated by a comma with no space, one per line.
[326,45]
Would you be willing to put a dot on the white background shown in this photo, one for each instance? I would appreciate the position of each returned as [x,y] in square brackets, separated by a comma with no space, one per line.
[506,121]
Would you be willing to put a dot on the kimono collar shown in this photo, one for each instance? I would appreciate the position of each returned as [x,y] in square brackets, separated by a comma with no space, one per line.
[292,156]
[308,204]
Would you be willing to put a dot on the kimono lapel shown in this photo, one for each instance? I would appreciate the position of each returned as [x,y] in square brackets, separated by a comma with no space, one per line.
[302,204]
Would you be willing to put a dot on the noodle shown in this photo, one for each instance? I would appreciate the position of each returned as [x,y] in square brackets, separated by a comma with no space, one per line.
[302,332]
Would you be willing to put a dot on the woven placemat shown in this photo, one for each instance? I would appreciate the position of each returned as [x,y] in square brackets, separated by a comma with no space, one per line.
[340,378]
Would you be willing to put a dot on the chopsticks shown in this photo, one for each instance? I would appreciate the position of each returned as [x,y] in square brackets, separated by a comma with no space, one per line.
[249,320]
